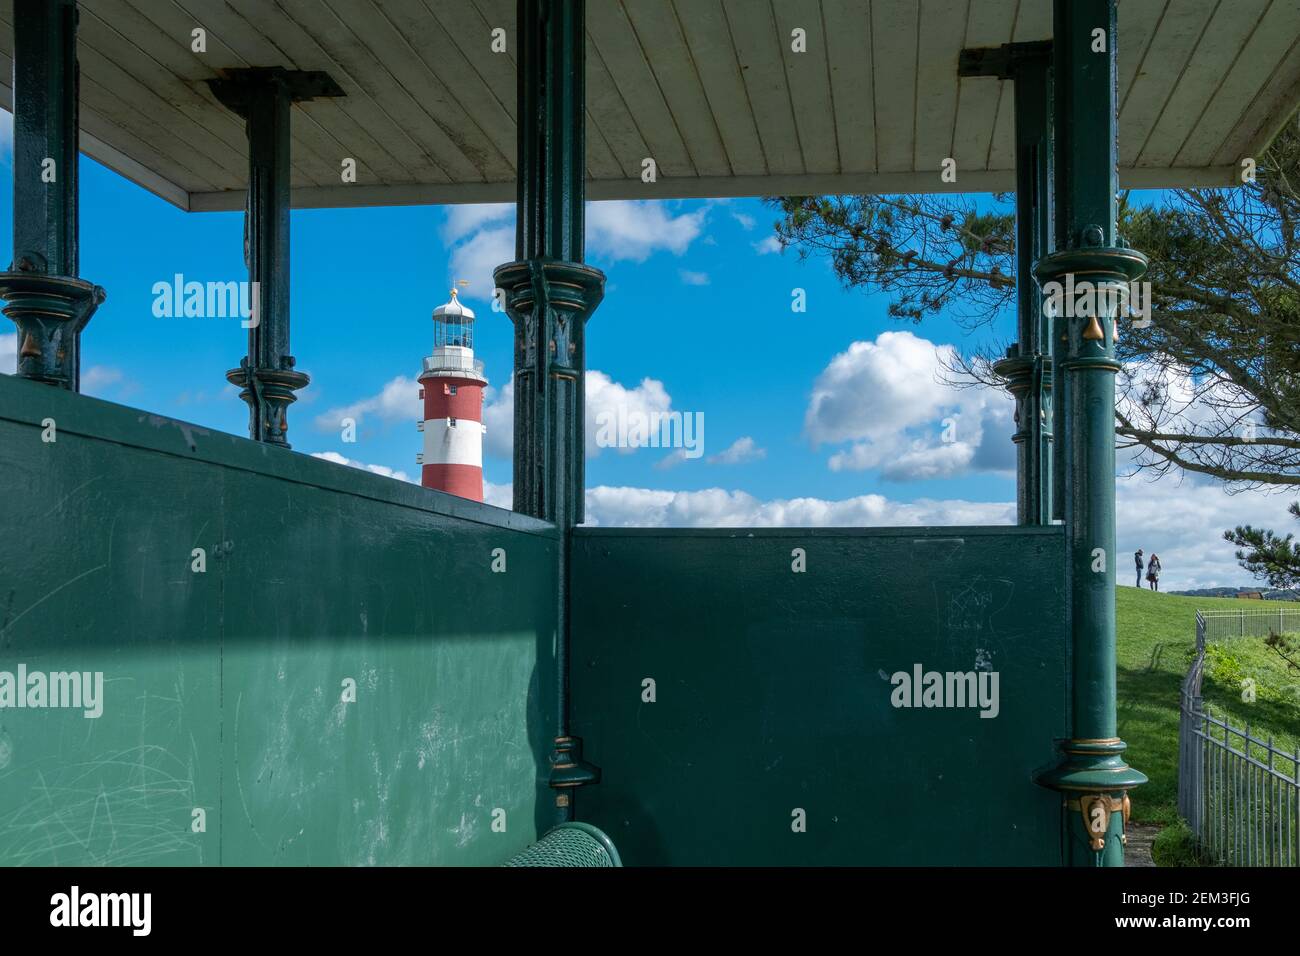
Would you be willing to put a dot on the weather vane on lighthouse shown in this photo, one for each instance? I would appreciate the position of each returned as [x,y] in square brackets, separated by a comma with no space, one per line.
[451,385]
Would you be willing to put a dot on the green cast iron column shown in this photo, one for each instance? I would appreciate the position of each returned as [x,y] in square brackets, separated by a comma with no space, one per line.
[45,299]
[266,376]
[549,295]
[1026,368]
[1058,352]
[1092,776]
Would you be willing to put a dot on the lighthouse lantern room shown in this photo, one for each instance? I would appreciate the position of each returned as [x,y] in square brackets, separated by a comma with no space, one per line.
[451,384]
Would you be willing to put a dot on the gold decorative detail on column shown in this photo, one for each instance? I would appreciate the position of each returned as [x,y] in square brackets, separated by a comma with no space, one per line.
[1096,809]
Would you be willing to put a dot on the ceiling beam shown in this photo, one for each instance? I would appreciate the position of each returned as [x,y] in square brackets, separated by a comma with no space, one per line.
[722,187]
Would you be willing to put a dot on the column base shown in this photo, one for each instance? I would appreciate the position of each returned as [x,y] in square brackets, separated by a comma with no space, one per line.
[268,393]
[1093,781]
[50,312]
[568,772]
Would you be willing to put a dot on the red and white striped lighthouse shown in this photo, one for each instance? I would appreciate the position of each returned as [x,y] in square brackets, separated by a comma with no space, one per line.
[452,388]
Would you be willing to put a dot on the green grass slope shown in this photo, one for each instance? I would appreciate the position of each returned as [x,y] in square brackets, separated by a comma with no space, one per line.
[1156,641]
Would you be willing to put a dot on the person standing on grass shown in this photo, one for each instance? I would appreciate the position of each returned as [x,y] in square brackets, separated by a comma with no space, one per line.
[1137,556]
[1153,572]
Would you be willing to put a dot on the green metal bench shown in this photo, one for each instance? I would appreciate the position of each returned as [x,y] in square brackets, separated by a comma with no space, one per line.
[569,844]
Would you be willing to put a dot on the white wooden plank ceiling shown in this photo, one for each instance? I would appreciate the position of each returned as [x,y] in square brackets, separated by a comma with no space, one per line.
[710,89]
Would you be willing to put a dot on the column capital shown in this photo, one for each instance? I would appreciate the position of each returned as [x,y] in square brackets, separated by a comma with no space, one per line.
[1099,263]
[1006,61]
[238,87]
[568,293]
[1106,271]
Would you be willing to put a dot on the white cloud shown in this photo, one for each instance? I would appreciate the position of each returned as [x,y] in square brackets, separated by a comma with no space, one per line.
[499,420]
[922,461]
[886,400]
[605,397]
[9,353]
[1167,391]
[483,236]
[716,507]
[767,246]
[672,460]
[634,229]
[876,388]
[693,278]
[478,257]
[740,452]
[1182,523]
[502,496]
[373,469]
[203,396]
[461,221]
[398,401]
[607,400]
[1182,518]
[1161,395]
[98,378]
[746,222]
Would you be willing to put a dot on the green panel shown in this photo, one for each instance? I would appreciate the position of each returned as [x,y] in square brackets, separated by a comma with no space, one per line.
[773,694]
[223,690]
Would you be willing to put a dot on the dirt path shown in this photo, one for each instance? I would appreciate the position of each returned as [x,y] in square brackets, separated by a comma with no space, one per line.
[1138,850]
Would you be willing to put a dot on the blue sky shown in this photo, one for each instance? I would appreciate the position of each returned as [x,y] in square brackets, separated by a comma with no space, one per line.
[830,416]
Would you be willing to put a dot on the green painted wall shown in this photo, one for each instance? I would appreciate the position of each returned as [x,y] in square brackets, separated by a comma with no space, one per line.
[223,689]
[773,693]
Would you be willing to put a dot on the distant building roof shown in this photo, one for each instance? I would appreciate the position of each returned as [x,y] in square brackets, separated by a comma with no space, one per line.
[454,310]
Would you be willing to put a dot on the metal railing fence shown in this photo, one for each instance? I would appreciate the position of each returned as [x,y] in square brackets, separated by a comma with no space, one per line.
[1239,793]
[1247,622]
